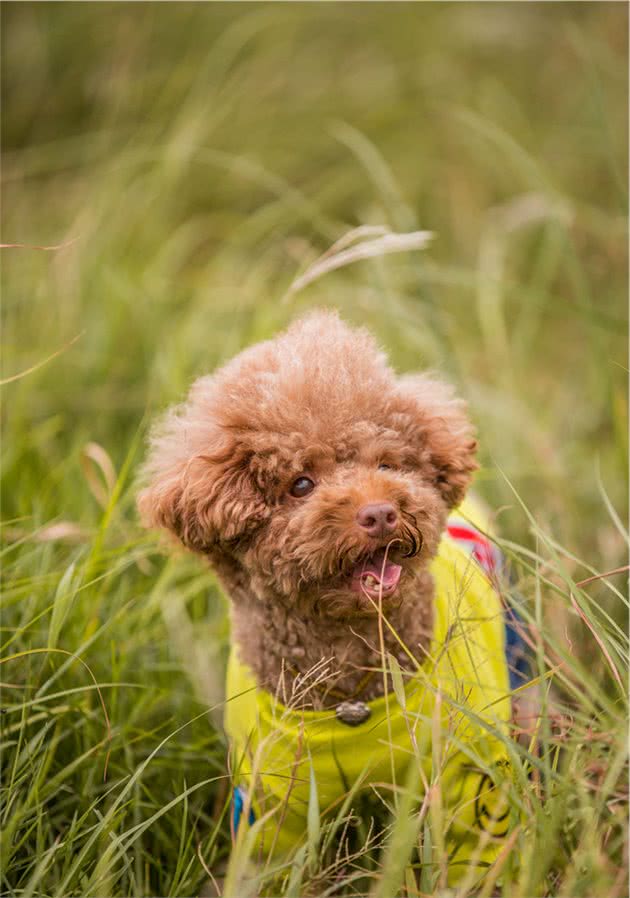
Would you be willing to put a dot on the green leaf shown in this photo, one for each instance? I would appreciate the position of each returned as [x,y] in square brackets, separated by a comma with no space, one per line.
[313,821]
[397,681]
[66,591]
[294,887]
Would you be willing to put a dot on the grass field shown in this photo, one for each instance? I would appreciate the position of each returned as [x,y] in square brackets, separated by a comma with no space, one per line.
[189,161]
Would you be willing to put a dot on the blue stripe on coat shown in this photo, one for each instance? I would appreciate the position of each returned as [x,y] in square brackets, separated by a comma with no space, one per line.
[239,796]
[517,651]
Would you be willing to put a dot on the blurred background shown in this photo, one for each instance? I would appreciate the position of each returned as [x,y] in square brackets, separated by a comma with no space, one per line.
[200,156]
[181,164]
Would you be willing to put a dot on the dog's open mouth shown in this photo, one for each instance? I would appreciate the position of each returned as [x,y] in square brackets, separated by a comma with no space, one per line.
[376,576]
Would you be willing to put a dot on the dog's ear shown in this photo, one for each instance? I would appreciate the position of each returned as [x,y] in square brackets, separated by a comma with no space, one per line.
[197,482]
[441,433]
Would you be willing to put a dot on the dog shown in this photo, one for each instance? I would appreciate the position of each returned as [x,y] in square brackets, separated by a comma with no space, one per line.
[328,494]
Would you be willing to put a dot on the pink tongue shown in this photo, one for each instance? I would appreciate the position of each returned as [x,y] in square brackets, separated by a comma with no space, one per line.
[388,574]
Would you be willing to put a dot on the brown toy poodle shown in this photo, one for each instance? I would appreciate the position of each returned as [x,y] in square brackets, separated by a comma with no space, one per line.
[318,485]
[292,469]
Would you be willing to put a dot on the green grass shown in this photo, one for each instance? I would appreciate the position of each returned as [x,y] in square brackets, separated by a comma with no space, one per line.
[200,157]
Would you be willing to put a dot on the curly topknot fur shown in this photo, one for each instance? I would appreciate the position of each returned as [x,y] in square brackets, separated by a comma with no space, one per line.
[319,401]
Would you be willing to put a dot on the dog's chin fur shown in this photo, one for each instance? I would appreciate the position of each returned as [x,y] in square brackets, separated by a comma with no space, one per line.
[336,604]
[318,401]
[341,603]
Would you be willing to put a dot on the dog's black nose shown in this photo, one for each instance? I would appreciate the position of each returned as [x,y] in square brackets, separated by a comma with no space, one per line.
[378,519]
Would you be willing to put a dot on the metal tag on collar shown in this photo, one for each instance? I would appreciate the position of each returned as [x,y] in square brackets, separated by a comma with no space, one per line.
[352,713]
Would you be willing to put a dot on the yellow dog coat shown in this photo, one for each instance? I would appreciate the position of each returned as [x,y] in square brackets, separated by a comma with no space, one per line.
[448,720]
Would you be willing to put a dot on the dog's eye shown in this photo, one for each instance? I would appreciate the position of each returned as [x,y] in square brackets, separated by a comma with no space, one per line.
[384,467]
[302,487]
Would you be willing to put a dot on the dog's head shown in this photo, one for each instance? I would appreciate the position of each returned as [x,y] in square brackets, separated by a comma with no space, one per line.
[310,470]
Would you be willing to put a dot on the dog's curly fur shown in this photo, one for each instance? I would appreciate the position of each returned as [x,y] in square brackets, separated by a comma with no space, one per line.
[320,401]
